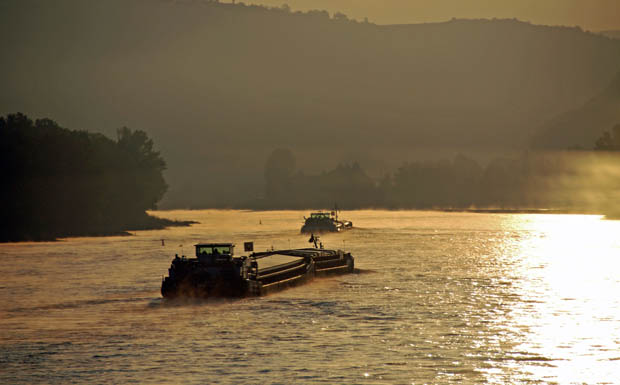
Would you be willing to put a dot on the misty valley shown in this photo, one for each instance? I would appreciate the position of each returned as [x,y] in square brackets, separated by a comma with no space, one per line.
[218,87]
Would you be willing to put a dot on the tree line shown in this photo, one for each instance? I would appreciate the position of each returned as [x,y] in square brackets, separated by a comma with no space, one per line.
[59,182]
[567,180]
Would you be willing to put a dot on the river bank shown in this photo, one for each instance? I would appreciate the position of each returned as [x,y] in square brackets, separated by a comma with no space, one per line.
[109,228]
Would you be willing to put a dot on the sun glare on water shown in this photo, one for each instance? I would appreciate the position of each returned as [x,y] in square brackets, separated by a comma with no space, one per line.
[568,276]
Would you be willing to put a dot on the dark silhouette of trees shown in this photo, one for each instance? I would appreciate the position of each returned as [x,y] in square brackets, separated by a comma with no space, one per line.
[570,180]
[340,16]
[279,170]
[142,169]
[500,184]
[58,182]
[346,183]
[439,184]
[285,187]
[609,142]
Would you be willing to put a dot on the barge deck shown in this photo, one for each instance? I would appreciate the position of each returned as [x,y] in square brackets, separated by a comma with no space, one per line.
[216,272]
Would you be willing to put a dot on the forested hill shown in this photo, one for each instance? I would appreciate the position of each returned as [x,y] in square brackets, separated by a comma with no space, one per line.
[579,128]
[220,86]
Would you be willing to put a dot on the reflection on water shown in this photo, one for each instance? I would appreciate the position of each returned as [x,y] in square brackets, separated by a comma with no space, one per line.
[569,304]
[440,298]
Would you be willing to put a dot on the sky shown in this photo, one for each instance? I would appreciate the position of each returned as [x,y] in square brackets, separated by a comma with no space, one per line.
[592,15]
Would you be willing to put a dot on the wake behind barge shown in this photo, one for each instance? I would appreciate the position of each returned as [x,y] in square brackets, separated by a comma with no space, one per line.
[216,272]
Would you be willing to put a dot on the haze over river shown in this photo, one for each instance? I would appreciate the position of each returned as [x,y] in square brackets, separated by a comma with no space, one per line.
[438,298]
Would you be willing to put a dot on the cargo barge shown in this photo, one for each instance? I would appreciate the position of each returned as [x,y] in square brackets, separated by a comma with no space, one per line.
[217,272]
[323,222]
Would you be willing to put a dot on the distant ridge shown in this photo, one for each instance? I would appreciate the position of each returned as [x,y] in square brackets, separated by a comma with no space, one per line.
[579,128]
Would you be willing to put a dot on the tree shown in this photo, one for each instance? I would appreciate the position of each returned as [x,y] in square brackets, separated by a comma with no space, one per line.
[340,16]
[609,142]
[62,182]
[142,167]
[279,169]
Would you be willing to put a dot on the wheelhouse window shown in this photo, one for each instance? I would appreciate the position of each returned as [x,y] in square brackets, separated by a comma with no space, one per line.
[213,250]
[319,215]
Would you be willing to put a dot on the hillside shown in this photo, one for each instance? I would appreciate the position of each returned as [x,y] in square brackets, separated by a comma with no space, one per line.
[614,34]
[582,126]
[219,86]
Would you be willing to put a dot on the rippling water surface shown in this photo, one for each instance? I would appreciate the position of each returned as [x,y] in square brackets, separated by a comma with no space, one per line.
[438,298]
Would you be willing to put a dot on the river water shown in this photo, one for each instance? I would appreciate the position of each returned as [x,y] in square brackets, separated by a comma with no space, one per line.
[439,298]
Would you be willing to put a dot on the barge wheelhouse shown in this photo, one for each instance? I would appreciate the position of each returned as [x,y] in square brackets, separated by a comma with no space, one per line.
[323,222]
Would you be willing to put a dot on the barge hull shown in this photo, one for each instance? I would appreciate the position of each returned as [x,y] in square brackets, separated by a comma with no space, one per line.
[242,277]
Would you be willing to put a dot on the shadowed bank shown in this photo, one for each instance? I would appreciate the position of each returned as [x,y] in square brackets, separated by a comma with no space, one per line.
[62,183]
